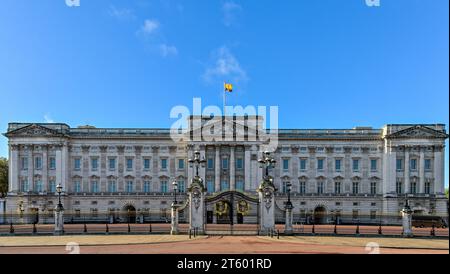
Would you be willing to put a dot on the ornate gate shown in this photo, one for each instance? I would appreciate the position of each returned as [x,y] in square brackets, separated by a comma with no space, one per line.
[231,213]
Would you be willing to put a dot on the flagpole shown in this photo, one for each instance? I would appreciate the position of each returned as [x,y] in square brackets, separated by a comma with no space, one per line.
[224,99]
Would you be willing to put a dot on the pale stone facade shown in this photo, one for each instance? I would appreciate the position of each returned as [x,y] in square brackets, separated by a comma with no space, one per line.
[359,174]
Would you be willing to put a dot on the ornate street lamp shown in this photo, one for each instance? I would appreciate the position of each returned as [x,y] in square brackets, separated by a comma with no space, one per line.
[59,190]
[266,161]
[288,190]
[197,161]
[175,190]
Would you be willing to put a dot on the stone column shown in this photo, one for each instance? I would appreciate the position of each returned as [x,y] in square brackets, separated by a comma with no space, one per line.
[59,220]
[138,168]
[85,168]
[30,179]
[266,195]
[288,229]
[174,219]
[103,167]
[422,170]
[232,168]
[438,169]
[407,220]
[58,170]
[217,169]
[196,206]
[14,168]
[45,167]
[406,171]
[247,159]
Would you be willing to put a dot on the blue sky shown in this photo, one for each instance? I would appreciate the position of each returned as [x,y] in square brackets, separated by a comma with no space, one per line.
[324,63]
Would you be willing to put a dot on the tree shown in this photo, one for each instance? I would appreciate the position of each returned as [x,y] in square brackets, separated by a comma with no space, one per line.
[446,193]
[3,176]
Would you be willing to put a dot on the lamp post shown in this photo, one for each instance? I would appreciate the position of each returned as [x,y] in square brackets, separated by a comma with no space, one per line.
[196,161]
[288,229]
[407,220]
[175,190]
[59,213]
[266,162]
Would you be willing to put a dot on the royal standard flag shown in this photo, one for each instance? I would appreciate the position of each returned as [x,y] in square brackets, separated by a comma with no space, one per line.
[228,87]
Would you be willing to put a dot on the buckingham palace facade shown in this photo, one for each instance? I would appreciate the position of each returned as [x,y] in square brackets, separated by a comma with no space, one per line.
[360,174]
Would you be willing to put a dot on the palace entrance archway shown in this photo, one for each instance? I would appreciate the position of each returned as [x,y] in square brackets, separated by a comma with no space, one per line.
[320,215]
[129,214]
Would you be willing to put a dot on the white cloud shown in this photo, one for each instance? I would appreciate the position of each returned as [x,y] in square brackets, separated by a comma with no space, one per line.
[231,12]
[121,14]
[150,26]
[48,119]
[224,67]
[167,50]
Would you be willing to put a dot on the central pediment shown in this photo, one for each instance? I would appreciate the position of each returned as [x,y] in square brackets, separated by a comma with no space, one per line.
[418,131]
[34,130]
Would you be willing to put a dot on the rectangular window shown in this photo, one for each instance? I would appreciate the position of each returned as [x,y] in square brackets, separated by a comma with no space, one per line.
[355,188]
[52,186]
[355,165]
[337,164]
[181,164]
[24,163]
[285,164]
[225,163]
[52,163]
[373,165]
[398,187]
[146,164]
[112,186]
[427,187]
[164,186]
[94,186]
[129,186]
[77,186]
[224,185]
[302,187]
[210,163]
[239,164]
[39,186]
[428,164]
[163,164]
[399,164]
[373,188]
[77,213]
[319,164]
[38,163]
[24,185]
[77,163]
[413,164]
[373,214]
[284,187]
[210,186]
[94,212]
[337,187]
[112,164]
[302,164]
[320,188]
[94,164]
[355,214]
[146,186]
[413,187]
[129,164]
[240,185]
[181,186]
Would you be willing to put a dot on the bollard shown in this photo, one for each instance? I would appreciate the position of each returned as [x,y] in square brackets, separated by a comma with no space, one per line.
[129,228]
[335,229]
[11,228]
[357,229]
[313,229]
[34,228]
[380,232]
[433,231]
[190,233]
[85,228]
[278,234]
[107,228]
[150,228]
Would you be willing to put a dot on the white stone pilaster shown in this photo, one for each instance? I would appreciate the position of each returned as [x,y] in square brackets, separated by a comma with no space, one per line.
[217,169]
[422,170]
[13,168]
[406,171]
[232,168]
[247,159]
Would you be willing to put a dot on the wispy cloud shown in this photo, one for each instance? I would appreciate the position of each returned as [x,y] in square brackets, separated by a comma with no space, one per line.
[48,119]
[167,50]
[150,26]
[231,12]
[224,66]
[122,14]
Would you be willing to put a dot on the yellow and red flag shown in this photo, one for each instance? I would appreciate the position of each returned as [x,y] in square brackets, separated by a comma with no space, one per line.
[228,87]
